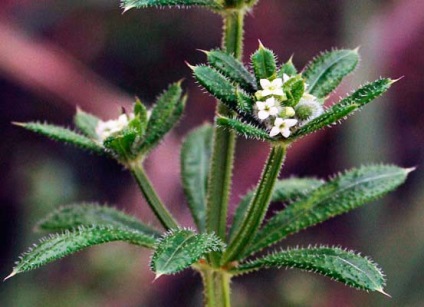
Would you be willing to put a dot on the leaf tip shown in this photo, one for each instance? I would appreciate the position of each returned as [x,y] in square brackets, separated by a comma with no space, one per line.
[356,50]
[384,293]
[204,51]
[10,275]
[158,275]
[261,46]
[396,80]
[410,169]
[19,124]
[190,66]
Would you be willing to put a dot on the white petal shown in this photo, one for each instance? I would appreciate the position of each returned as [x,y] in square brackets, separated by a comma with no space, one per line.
[290,122]
[273,111]
[278,121]
[277,82]
[270,102]
[285,132]
[266,93]
[260,105]
[263,114]
[274,131]
[285,78]
[278,92]
[265,83]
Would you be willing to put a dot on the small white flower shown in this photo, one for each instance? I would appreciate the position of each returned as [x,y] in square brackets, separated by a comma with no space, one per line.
[273,87]
[282,126]
[104,129]
[267,108]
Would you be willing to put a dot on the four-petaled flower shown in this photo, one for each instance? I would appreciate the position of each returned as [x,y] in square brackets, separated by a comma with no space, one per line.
[273,87]
[267,108]
[282,126]
[104,129]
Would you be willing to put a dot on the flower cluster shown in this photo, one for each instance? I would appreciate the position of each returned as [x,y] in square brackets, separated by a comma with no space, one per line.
[105,129]
[277,112]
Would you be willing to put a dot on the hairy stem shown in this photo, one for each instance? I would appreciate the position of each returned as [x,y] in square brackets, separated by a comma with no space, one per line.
[159,209]
[258,207]
[216,288]
[222,159]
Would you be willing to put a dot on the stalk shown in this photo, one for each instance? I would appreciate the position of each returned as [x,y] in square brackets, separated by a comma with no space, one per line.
[155,203]
[258,207]
[222,159]
[216,287]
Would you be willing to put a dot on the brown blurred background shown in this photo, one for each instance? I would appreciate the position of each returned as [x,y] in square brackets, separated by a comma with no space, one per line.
[56,55]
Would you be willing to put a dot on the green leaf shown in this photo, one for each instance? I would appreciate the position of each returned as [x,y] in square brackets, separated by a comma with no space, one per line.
[325,72]
[57,246]
[195,156]
[343,193]
[264,64]
[233,69]
[165,114]
[88,214]
[216,84]
[179,249]
[244,129]
[245,106]
[287,68]
[284,191]
[294,89]
[63,135]
[86,123]
[129,4]
[341,265]
[141,113]
[345,107]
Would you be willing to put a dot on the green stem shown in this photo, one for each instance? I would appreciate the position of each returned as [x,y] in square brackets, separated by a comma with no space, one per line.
[222,159]
[217,288]
[258,207]
[152,198]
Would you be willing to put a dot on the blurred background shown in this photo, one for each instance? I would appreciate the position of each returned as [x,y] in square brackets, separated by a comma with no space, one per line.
[57,55]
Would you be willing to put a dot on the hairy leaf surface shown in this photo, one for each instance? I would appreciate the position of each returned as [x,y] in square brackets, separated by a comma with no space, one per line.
[86,123]
[88,214]
[336,263]
[179,249]
[64,135]
[341,194]
[264,64]
[195,156]
[57,246]
[324,73]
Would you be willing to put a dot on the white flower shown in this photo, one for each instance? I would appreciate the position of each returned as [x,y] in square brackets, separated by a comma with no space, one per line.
[282,126]
[273,87]
[267,108]
[308,108]
[107,128]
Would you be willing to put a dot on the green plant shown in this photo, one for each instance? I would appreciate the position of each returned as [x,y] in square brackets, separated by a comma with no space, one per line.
[273,103]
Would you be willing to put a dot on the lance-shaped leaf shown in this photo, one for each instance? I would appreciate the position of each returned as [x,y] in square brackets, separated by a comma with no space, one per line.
[165,114]
[233,69]
[244,129]
[179,249]
[57,246]
[64,135]
[284,191]
[264,64]
[216,84]
[86,123]
[87,214]
[341,265]
[343,193]
[346,106]
[325,72]
[195,156]
[121,144]
[287,69]
[129,4]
